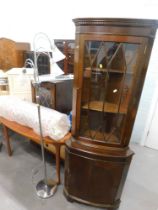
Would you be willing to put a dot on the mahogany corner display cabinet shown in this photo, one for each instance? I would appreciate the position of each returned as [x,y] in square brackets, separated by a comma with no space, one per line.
[110,64]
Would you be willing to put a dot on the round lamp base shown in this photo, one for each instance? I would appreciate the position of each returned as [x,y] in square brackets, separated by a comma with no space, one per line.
[46,190]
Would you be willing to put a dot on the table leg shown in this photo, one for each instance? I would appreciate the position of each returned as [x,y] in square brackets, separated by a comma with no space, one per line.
[0,145]
[57,147]
[6,136]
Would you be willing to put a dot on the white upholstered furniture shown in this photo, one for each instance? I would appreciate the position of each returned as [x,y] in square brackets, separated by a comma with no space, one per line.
[19,82]
[21,117]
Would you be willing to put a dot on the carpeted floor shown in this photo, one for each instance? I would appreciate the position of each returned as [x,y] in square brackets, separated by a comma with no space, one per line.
[17,183]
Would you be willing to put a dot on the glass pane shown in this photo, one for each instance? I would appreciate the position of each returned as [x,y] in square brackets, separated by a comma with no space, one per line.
[108,73]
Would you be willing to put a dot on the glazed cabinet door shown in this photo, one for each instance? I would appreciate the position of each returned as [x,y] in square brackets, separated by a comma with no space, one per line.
[109,72]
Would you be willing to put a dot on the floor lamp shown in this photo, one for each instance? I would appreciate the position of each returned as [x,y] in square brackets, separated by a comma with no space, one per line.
[44,188]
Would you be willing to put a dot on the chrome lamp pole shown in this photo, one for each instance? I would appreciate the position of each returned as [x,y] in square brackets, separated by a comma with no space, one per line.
[44,188]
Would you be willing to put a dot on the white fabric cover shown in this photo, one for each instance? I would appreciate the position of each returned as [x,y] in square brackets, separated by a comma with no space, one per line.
[54,124]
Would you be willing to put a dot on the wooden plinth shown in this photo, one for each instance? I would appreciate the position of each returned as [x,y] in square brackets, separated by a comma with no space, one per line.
[95,176]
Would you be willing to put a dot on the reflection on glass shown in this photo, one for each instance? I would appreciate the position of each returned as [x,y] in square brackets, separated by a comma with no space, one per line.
[108,73]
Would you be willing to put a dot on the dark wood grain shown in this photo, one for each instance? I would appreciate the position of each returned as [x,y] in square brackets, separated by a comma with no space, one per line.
[95,169]
[12,53]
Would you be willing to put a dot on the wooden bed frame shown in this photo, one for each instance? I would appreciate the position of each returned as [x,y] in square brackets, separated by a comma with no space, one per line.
[30,134]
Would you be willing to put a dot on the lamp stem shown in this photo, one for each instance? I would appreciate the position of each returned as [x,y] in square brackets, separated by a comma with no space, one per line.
[36,78]
[42,145]
[44,188]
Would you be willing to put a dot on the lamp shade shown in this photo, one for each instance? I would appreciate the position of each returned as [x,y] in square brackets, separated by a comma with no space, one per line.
[57,54]
[55,70]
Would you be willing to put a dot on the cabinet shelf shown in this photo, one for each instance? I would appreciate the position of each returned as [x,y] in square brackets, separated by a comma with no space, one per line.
[100,136]
[89,71]
[107,107]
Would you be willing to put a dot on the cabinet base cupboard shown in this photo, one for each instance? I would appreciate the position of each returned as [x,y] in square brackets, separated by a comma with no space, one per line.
[110,64]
